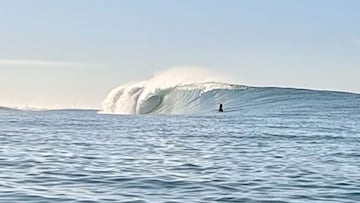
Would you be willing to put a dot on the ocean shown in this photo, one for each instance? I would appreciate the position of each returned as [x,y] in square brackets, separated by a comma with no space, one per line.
[172,145]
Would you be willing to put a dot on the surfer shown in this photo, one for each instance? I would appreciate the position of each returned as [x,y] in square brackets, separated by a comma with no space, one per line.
[220,108]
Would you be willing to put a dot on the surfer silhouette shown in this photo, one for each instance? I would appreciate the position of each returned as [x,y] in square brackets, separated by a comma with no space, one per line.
[221,108]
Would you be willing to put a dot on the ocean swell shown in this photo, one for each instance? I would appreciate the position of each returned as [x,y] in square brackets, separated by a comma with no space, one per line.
[175,93]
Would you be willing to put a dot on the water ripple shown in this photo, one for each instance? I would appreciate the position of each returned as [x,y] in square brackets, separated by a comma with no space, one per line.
[85,157]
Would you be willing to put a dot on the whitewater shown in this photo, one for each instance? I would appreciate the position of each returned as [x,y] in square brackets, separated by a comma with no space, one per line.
[163,140]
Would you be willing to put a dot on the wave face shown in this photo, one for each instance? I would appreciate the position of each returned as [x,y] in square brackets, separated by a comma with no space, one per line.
[153,97]
[181,99]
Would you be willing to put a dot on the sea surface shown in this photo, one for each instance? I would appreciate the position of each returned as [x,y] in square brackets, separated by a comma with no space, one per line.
[269,145]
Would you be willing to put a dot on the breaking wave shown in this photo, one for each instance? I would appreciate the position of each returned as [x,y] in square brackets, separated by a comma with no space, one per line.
[187,98]
[175,92]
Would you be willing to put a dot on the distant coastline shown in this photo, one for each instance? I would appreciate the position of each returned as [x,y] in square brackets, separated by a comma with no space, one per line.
[3,108]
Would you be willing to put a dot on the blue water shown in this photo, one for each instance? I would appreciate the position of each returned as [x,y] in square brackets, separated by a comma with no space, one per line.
[270,145]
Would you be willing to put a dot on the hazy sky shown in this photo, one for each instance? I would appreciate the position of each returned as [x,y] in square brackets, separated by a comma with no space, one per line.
[71,53]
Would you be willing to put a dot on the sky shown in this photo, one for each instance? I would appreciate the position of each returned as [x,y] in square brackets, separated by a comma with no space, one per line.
[71,53]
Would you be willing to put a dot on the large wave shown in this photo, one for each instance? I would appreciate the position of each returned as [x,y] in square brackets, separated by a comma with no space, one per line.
[173,91]
[187,91]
